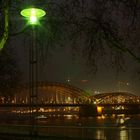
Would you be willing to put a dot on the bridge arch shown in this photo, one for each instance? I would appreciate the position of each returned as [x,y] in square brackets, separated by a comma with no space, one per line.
[116,97]
[53,92]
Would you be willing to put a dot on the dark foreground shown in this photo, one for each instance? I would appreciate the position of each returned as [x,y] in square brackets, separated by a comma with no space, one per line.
[7,136]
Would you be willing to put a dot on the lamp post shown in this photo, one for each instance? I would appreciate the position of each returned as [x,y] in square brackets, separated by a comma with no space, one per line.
[33,16]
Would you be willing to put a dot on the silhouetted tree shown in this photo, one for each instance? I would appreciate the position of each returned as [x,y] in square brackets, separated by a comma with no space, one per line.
[9,74]
[4,22]
[93,28]
[98,28]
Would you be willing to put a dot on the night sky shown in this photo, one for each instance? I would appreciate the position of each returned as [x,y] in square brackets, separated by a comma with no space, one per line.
[63,67]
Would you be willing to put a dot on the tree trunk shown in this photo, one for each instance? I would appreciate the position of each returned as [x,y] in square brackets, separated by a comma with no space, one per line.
[4,37]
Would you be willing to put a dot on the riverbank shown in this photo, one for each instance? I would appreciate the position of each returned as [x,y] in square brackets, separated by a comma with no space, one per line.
[7,136]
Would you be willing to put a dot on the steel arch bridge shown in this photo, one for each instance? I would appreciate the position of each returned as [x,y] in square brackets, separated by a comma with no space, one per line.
[116,98]
[53,92]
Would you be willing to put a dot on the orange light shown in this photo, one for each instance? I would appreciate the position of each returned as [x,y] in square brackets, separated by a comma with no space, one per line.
[99,109]
[84,81]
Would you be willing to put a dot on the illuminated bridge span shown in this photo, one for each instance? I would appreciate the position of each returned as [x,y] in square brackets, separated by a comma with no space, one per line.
[53,93]
[116,98]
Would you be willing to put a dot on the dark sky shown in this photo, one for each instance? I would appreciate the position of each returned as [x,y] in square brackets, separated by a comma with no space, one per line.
[63,66]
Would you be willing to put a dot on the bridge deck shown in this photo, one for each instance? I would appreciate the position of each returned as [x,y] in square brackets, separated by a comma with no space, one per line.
[43,105]
[63,105]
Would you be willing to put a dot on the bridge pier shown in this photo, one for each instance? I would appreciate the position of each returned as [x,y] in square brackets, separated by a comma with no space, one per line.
[88,110]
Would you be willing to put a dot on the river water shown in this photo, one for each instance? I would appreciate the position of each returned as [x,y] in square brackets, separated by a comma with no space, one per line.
[112,127]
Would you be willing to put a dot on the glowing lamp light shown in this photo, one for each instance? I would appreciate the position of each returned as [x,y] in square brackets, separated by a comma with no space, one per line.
[33,14]
[99,109]
[33,20]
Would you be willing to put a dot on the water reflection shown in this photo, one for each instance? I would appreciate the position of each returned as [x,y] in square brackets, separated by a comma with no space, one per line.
[120,121]
[124,134]
[100,134]
[104,127]
[116,133]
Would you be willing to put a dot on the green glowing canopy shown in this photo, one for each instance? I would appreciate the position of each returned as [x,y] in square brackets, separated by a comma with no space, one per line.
[33,14]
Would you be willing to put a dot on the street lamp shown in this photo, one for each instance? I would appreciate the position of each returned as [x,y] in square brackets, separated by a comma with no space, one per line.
[33,15]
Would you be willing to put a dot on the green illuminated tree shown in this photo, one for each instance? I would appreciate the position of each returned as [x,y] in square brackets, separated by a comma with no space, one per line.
[9,73]
[4,22]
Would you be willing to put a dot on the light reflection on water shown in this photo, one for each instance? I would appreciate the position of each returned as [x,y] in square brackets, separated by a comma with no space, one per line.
[104,127]
[69,117]
[123,135]
[116,127]
[100,135]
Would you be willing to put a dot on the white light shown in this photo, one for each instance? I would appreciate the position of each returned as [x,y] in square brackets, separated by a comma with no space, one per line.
[33,19]
[127,84]
[95,102]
